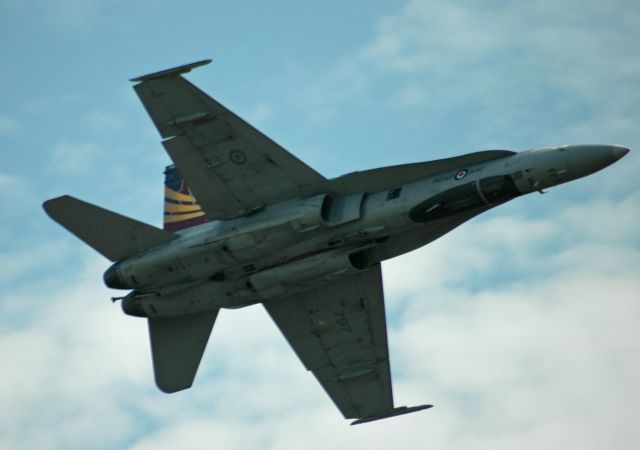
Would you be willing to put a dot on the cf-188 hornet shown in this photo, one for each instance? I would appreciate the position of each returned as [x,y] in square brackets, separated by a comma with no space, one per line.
[246,222]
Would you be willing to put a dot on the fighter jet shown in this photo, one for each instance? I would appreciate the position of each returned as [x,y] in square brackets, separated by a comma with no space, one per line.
[246,222]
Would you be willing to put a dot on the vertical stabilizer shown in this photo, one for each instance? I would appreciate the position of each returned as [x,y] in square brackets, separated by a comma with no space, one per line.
[180,207]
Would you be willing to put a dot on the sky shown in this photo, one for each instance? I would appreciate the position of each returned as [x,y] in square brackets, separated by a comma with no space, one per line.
[522,326]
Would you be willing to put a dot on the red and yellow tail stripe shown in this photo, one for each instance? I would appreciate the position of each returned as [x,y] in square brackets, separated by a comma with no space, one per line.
[181,210]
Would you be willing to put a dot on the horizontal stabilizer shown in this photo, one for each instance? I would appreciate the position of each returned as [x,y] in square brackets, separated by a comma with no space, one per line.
[177,345]
[394,412]
[113,235]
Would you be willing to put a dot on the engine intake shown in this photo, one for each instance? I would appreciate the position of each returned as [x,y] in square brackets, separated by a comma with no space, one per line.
[487,191]
[310,213]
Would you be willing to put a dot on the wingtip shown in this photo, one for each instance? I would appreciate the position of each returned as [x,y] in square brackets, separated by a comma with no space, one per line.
[175,71]
[48,205]
[393,413]
[170,387]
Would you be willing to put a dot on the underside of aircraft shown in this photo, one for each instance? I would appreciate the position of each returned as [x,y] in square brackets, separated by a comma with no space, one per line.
[246,222]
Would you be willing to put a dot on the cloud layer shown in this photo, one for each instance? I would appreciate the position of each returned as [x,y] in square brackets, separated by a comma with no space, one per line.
[542,356]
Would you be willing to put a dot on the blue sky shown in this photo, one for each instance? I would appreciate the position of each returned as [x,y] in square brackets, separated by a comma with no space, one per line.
[521,326]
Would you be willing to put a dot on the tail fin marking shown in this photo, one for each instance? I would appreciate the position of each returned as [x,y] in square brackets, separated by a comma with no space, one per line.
[181,210]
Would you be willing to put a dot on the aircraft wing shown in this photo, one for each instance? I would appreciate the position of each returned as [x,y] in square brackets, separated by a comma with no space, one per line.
[230,167]
[339,333]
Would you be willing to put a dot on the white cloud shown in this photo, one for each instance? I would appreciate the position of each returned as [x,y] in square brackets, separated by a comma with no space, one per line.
[341,84]
[23,264]
[338,85]
[9,126]
[528,362]
[410,96]
[75,158]
[68,365]
[525,362]
[260,113]
[430,36]
[528,366]
[553,43]
[104,122]
[18,202]
[11,182]
[531,71]
[75,14]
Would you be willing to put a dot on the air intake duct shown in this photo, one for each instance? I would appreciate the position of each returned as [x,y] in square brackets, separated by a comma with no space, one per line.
[489,191]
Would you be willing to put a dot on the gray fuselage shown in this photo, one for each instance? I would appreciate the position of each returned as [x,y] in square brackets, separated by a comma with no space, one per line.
[299,244]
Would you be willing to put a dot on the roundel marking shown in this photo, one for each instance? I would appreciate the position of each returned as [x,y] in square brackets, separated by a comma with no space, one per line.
[237,157]
[461,174]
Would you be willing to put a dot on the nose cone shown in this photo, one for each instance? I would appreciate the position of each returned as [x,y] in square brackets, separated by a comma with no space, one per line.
[584,160]
[619,151]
